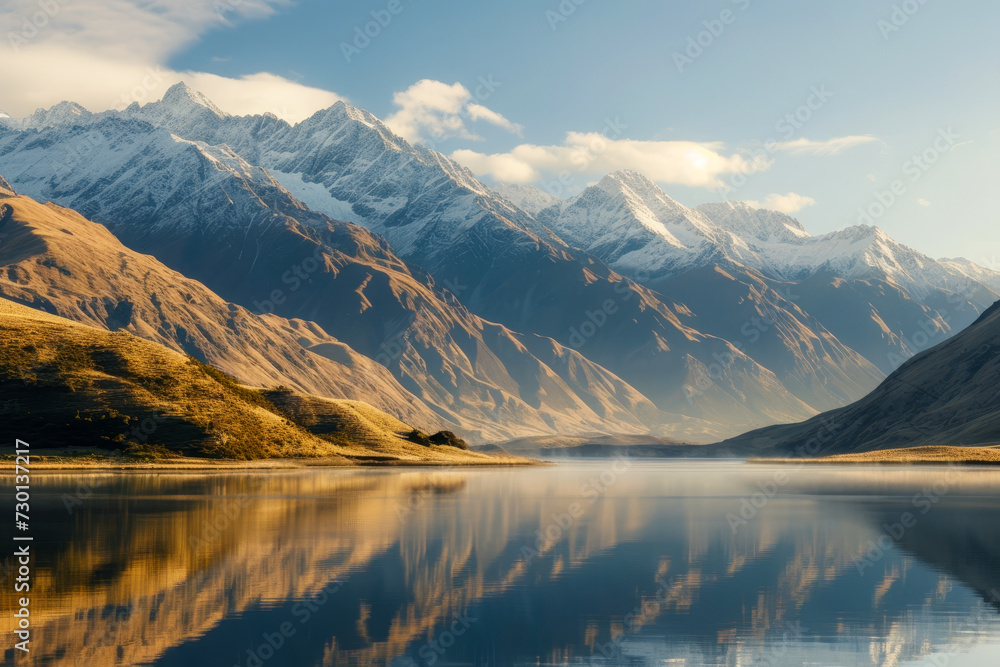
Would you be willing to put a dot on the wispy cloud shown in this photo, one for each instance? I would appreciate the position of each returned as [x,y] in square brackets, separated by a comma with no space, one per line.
[833,146]
[923,202]
[434,110]
[790,203]
[592,155]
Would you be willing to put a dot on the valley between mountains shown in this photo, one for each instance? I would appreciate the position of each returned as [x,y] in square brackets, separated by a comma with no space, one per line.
[337,261]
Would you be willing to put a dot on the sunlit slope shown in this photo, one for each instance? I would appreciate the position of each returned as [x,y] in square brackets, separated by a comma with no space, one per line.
[67,384]
[53,259]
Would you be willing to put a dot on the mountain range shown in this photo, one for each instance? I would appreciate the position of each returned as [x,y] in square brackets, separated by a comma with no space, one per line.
[504,312]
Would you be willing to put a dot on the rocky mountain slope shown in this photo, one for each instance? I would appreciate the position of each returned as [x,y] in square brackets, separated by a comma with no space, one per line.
[59,261]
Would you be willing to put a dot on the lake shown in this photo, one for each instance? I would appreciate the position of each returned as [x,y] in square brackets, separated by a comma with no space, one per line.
[609,562]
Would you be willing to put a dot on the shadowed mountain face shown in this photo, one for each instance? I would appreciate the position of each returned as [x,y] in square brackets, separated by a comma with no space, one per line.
[480,378]
[948,395]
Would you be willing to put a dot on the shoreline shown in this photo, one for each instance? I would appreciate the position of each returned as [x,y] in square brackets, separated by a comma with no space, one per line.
[915,456]
[61,464]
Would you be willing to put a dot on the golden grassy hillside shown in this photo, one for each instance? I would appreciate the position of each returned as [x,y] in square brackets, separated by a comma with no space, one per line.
[64,384]
[53,259]
[915,455]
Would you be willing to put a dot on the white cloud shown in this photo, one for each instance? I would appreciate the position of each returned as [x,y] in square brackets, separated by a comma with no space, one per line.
[833,146]
[788,204]
[261,93]
[923,202]
[106,53]
[437,111]
[591,154]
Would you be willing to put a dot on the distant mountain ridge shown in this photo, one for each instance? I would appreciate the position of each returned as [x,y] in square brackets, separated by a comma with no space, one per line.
[498,384]
[872,293]
[644,313]
[487,258]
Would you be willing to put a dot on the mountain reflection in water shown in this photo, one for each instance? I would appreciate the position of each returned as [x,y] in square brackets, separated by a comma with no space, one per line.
[631,563]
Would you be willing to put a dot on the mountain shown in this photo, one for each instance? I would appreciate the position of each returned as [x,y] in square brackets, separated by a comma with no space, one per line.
[974,272]
[65,384]
[210,213]
[629,222]
[211,216]
[528,198]
[947,395]
[55,260]
[64,113]
[492,256]
[872,294]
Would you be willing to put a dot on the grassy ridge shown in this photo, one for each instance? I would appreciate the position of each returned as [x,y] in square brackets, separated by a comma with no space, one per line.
[64,384]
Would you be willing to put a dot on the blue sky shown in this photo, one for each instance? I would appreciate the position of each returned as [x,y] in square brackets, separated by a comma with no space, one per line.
[893,91]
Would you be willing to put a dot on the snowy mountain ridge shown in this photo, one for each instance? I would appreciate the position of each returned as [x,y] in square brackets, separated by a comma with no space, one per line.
[631,223]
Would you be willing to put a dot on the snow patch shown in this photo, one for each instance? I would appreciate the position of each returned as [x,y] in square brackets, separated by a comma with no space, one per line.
[316,197]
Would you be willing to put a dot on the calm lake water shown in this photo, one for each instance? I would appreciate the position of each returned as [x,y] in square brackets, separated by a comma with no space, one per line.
[605,562]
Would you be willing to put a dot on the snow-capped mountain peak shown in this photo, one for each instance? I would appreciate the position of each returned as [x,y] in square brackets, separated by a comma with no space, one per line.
[753,223]
[631,223]
[181,97]
[528,198]
[340,117]
[62,114]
